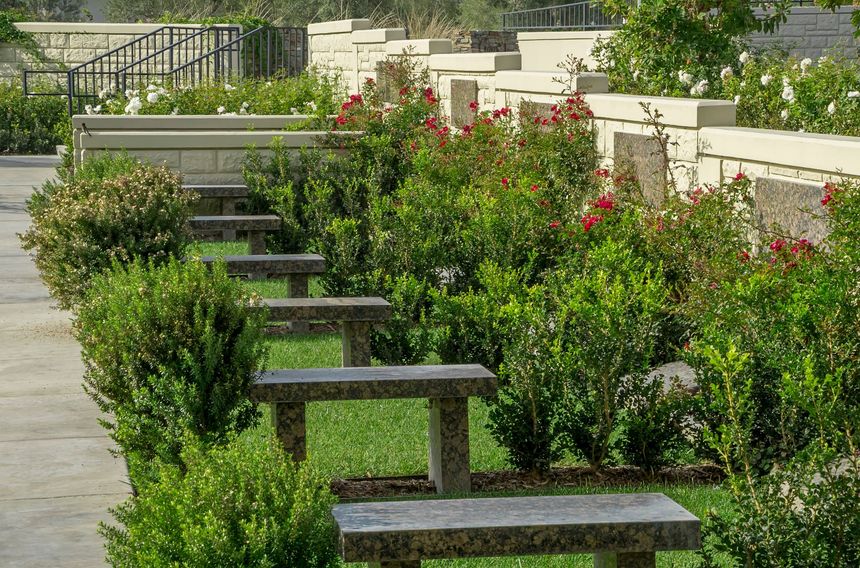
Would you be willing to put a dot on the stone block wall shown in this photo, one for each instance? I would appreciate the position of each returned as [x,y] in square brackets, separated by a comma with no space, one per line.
[813,32]
[485,41]
[204,149]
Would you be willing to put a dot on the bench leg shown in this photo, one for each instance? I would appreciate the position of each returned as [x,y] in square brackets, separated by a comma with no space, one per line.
[625,560]
[356,344]
[395,564]
[449,445]
[299,289]
[288,418]
[257,245]
[228,207]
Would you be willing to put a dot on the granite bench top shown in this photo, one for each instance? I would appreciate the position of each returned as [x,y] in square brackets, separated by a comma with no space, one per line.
[370,383]
[236,222]
[507,526]
[272,263]
[328,309]
[219,190]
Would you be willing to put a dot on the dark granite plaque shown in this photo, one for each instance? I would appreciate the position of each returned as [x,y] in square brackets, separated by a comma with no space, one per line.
[532,109]
[640,156]
[463,93]
[385,82]
[793,206]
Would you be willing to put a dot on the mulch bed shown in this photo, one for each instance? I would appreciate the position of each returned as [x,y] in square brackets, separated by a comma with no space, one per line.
[510,481]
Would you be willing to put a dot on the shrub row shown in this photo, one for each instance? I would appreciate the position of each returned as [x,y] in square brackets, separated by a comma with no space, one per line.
[504,244]
[171,349]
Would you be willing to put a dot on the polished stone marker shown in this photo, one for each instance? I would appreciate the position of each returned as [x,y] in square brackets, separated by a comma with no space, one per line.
[228,195]
[355,314]
[621,530]
[447,386]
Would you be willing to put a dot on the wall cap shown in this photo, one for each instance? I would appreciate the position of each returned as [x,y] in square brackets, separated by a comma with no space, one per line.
[95,28]
[476,62]
[184,122]
[380,35]
[338,27]
[542,82]
[420,46]
[199,140]
[800,150]
[544,36]
[685,113]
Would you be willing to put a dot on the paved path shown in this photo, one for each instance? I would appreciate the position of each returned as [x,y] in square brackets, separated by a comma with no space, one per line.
[56,475]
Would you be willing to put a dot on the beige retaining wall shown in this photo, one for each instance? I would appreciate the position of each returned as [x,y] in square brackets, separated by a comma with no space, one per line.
[205,149]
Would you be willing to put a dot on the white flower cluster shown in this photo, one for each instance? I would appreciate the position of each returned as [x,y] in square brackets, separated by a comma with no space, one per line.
[699,88]
[726,73]
[744,58]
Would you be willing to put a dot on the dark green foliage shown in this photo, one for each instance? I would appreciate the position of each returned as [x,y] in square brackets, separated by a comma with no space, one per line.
[168,350]
[246,504]
[405,339]
[110,210]
[31,125]
[644,443]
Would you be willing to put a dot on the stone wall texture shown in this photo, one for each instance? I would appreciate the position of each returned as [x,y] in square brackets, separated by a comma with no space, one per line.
[485,41]
[813,32]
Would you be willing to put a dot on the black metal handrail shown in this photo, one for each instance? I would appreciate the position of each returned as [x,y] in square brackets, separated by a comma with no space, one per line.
[587,15]
[159,64]
[86,80]
[180,56]
[261,53]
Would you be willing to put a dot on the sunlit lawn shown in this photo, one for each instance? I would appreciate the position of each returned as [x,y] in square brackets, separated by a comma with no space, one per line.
[389,437]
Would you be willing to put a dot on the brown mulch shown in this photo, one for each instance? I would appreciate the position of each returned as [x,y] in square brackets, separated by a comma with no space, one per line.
[509,481]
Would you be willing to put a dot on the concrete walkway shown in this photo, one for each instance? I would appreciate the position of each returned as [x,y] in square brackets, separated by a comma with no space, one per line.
[56,475]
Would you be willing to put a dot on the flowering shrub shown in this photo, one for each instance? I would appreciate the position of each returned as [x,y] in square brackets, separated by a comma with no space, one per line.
[702,56]
[794,307]
[787,94]
[676,48]
[308,93]
[111,209]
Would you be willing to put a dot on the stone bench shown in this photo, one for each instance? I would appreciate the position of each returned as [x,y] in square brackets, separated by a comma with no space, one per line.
[446,386]
[255,225]
[228,195]
[355,314]
[296,267]
[621,530]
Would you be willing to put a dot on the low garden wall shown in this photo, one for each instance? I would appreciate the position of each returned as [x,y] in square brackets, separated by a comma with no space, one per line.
[811,32]
[205,149]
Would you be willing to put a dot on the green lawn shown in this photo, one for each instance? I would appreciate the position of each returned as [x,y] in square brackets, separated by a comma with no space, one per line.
[389,437]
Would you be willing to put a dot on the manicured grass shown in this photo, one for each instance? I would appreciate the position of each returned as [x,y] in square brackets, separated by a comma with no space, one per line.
[389,437]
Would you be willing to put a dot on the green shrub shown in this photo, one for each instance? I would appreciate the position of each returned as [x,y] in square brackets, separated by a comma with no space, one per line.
[805,512]
[246,504]
[31,125]
[309,93]
[783,93]
[656,424]
[607,324]
[79,228]
[170,349]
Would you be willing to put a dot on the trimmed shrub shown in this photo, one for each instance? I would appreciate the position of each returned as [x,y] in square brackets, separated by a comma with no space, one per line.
[168,350]
[245,504]
[34,125]
[113,210]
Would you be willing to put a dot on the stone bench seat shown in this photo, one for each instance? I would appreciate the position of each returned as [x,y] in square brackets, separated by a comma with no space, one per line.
[255,225]
[228,195]
[448,388]
[356,316]
[328,309]
[621,530]
[274,264]
[219,191]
